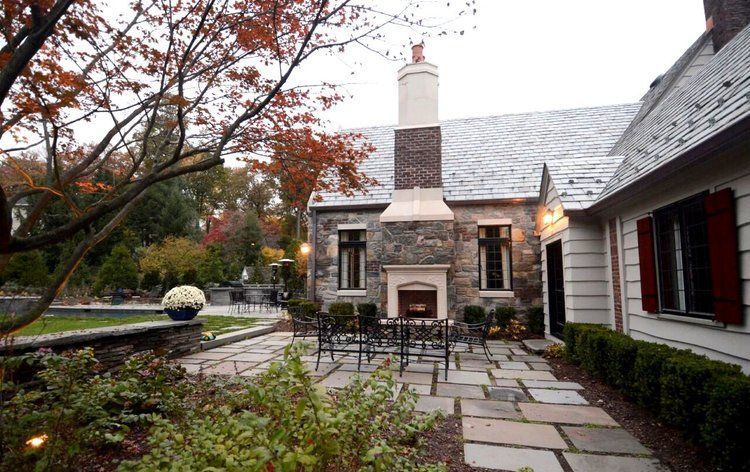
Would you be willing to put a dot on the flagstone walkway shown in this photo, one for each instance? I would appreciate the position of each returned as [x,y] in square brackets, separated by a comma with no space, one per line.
[514,412]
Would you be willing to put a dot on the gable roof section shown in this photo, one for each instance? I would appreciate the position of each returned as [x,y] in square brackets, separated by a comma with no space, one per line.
[716,98]
[497,157]
[580,181]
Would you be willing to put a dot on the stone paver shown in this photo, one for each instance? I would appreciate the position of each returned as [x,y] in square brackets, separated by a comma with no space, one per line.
[461,391]
[489,409]
[511,365]
[465,377]
[566,414]
[512,432]
[563,397]
[427,404]
[596,463]
[604,440]
[552,385]
[522,374]
[510,458]
[507,394]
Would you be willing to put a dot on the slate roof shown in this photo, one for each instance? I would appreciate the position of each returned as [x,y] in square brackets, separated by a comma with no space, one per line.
[717,97]
[498,157]
[580,181]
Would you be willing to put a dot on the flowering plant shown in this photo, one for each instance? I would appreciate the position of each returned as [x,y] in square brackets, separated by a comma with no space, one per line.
[185,296]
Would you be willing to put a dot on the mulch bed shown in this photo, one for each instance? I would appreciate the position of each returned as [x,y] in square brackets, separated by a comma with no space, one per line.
[444,443]
[668,444]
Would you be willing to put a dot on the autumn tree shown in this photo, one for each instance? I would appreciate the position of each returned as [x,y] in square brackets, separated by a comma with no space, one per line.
[86,88]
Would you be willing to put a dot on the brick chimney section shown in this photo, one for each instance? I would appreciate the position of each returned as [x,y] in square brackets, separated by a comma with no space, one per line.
[726,18]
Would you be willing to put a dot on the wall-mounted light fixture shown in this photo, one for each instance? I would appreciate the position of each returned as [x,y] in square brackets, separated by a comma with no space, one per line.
[547,218]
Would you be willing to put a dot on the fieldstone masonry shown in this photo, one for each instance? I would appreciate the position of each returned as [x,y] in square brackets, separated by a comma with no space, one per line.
[433,242]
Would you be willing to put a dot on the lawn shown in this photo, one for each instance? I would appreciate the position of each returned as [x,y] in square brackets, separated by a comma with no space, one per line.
[54,324]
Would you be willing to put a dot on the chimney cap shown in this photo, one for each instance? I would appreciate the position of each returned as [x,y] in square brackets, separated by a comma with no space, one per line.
[417,52]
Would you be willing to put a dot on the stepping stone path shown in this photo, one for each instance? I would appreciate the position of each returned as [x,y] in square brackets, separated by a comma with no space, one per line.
[514,412]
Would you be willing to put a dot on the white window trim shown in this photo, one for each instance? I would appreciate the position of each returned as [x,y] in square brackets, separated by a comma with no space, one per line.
[352,292]
[496,294]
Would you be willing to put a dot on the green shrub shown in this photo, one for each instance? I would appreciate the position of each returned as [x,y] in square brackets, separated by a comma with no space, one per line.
[309,309]
[341,309]
[474,314]
[27,269]
[295,302]
[367,309]
[536,320]
[645,387]
[504,315]
[118,271]
[572,332]
[685,382]
[150,280]
[620,356]
[727,427]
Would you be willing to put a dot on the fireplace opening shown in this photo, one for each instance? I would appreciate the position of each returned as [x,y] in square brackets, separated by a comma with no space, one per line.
[417,303]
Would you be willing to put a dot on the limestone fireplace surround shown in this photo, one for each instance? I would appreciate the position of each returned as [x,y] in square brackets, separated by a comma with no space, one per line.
[418,277]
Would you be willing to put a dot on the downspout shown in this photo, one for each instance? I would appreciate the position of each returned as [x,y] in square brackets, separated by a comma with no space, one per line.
[313,254]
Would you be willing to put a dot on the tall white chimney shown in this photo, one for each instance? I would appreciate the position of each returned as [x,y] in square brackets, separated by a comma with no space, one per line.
[418,92]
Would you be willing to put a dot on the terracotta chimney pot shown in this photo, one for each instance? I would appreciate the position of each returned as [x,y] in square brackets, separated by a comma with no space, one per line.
[416,53]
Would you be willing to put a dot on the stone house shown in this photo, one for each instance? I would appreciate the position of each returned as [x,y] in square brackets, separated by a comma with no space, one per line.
[635,216]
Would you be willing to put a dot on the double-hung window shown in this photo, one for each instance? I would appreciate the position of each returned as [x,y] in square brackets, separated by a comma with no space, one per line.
[683,259]
[494,258]
[352,259]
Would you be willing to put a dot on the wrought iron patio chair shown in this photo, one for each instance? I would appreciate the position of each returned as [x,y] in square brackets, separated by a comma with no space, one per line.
[378,336]
[425,338]
[473,334]
[337,334]
[302,326]
[237,302]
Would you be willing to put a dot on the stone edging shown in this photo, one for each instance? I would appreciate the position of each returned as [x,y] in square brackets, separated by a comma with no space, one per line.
[238,335]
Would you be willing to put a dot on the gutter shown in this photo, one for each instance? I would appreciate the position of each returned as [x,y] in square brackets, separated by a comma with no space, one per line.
[313,254]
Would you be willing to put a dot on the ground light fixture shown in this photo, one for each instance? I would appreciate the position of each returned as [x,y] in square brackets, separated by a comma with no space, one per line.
[35,442]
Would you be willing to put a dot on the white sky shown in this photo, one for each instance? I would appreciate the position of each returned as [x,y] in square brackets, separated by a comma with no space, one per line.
[527,56]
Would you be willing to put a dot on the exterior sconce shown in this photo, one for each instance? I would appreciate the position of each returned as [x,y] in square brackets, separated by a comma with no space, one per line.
[547,219]
[304,249]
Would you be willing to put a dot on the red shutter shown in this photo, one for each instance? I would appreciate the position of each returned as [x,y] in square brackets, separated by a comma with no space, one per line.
[647,263]
[723,250]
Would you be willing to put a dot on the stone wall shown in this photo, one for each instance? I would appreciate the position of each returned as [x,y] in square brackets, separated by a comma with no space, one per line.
[436,242]
[113,344]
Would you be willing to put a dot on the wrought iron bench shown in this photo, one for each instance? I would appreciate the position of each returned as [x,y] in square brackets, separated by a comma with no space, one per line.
[473,334]
[337,334]
[425,338]
[379,336]
[302,326]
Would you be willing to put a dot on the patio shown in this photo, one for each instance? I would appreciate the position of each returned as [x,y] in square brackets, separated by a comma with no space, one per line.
[514,412]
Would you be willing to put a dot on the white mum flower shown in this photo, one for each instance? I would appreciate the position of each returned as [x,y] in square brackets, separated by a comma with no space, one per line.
[184,296]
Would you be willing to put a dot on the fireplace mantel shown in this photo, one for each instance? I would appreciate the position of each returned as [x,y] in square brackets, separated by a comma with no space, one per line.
[420,277]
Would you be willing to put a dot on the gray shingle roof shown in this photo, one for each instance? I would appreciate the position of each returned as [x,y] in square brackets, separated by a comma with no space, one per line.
[498,157]
[580,181]
[717,97]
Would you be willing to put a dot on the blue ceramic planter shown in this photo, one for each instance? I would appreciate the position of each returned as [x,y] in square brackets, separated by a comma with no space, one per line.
[183,314]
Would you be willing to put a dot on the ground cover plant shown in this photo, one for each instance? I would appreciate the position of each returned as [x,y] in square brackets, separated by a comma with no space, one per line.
[72,414]
[53,324]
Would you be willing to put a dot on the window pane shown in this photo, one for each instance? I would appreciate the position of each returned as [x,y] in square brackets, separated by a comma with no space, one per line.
[699,272]
[352,250]
[494,257]
[670,261]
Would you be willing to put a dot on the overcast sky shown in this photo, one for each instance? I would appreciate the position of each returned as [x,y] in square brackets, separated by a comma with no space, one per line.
[528,56]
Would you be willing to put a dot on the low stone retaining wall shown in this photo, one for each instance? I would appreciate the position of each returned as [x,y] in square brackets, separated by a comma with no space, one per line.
[113,344]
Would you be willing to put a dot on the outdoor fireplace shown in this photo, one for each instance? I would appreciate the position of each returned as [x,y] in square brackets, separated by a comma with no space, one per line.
[419,291]
[418,303]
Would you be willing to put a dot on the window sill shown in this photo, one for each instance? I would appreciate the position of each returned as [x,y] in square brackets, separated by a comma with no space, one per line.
[690,319]
[352,293]
[496,294]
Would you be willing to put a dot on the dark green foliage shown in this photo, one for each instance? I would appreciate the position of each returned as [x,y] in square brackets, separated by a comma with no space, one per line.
[257,275]
[686,380]
[27,269]
[645,387]
[504,315]
[341,309]
[150,280]
[709,400]
[728,416]
[170,281]
[309,309]
[118,271]
[367,309]
[165,211]
[211,268]
[189,277]
[536,320]
[295,302]
[474,314]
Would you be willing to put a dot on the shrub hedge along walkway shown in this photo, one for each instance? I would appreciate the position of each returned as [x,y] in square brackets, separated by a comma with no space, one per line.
[514,412]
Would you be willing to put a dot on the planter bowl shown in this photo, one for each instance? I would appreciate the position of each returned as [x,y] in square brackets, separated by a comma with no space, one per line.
[183,314]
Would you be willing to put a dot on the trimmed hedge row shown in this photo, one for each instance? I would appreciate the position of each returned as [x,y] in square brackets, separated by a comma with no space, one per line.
[708,399]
